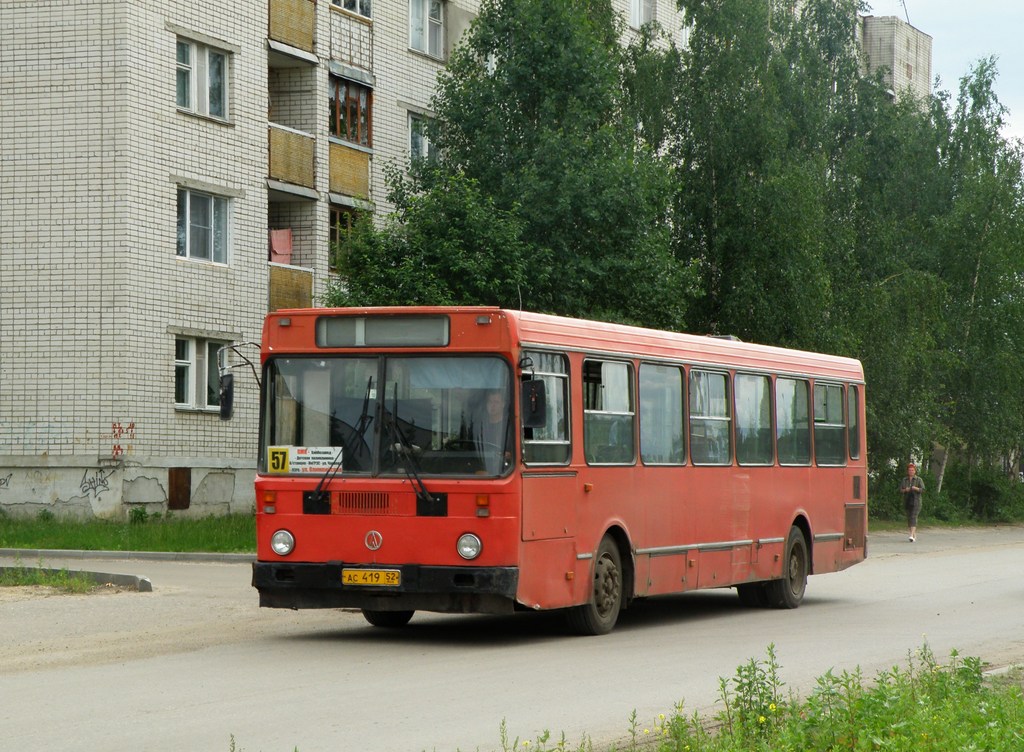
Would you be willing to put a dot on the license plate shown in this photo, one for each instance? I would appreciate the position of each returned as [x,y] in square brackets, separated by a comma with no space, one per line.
[372,577]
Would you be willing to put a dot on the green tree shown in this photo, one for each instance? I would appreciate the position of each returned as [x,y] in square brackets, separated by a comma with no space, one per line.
[763,85]
[981,262]
[446,246]
[532,113]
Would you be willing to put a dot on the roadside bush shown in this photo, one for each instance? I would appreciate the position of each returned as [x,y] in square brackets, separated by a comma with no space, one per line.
[983,494]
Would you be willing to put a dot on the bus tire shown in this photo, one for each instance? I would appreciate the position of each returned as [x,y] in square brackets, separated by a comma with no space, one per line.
[599,614]
[788,591]
[388,619]
[753,594]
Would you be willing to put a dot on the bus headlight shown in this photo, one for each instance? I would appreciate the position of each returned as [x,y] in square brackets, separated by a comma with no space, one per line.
[282,542]
[468,546]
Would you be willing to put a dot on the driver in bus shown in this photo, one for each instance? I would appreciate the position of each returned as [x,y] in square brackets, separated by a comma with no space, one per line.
[490,433]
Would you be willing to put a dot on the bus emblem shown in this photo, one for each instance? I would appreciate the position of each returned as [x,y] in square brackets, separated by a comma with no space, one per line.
[373,540]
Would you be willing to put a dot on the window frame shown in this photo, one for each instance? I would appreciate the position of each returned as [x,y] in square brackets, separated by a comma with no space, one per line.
[826,425]
[417,129]
[432,28]
[363,8]
[738,413]
[197,74]
[598,411]
[642,12]
[344,98]
[709,418]
[201,365]
[220,226]
[853,421]
[563,431]
[645,457]
[797,380]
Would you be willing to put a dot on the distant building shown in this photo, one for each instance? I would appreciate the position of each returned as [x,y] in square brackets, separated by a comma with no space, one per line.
[902,50]
[169,172]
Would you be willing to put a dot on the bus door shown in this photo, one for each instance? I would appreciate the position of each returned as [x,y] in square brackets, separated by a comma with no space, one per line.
[551,488]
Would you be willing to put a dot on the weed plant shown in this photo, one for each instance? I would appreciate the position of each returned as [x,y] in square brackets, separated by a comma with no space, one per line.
[924,707]
[140,532]
[63,580]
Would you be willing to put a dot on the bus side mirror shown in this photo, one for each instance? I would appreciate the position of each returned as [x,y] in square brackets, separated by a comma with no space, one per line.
[227,395]
[533,400]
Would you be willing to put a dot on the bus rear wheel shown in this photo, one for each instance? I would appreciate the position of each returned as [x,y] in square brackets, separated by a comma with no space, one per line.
[788,591]
[390,619]
[598,616]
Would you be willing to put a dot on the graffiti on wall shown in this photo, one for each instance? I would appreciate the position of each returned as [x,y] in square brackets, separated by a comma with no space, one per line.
[120,435]
[96,483]
[5,482]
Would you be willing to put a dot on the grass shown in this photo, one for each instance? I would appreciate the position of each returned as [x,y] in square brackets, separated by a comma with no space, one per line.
[62,579]
[922,707]
[141,532]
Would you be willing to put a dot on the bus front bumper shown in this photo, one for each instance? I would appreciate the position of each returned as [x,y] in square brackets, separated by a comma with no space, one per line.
[422,588]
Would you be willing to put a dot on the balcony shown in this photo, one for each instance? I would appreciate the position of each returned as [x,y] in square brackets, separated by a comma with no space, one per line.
[290,287]
[292,154]
[293,22]
[350,170]
[351,39]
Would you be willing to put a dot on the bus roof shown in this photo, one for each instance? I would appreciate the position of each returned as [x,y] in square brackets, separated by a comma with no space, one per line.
[599,337]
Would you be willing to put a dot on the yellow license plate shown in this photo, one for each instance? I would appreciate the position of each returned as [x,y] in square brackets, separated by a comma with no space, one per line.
[372,577]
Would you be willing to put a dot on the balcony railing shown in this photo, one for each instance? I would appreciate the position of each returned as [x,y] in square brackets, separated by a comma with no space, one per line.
[351,39]
[293,22]
[350,171]
[291,155]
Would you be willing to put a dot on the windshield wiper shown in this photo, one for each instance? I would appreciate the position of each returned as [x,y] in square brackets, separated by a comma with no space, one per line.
[407,449]
[321,491]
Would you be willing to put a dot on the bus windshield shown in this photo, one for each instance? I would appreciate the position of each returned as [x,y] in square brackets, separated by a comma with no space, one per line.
[442,416]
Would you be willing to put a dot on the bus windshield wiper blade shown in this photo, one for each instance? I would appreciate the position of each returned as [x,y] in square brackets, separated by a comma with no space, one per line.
[329,474]
[407,449]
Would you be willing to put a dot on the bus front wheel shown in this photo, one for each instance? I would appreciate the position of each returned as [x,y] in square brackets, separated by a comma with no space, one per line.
[598,616]
[788,592]
[392,619]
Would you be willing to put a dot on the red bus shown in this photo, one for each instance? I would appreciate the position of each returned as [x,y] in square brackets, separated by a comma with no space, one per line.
[474,459]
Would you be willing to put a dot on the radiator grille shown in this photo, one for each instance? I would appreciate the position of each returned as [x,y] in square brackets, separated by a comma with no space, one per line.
[362,502]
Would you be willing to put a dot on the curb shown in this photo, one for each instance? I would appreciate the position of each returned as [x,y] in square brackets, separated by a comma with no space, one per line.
[60,553]
[130,581]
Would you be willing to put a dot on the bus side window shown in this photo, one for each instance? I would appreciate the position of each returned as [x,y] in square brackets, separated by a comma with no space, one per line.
[829,425]
[853,420]
[549,444]
[753,420]
[710,434]
[793,421]
[662,439]
[609,416]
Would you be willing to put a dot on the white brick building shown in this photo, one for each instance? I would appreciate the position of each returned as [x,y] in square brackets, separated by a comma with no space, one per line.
[902,50]
[147,148]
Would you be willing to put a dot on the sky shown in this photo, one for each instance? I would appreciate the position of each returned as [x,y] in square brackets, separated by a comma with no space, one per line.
[963,33]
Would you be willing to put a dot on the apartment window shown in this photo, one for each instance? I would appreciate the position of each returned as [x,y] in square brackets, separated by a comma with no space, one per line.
[426,26]
[351,110]
[203,226]
[361,7]
[420,146]
[202,84]
[343,220]
[197,364]
[641,12]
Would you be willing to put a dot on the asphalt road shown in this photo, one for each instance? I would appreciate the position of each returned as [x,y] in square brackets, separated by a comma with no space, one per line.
[196,662]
